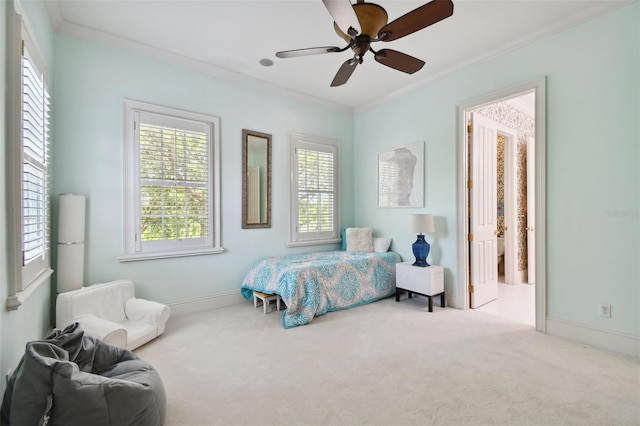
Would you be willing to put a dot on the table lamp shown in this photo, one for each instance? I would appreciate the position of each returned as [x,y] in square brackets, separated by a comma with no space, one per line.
[421,223]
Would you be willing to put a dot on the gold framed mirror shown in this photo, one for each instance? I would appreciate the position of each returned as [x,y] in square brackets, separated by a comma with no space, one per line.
[256,180]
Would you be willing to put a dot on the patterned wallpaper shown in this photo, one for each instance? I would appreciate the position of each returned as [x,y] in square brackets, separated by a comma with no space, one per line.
[513,118]
[500,186]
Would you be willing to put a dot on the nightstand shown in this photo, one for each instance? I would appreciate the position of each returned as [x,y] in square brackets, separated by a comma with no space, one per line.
[427,281]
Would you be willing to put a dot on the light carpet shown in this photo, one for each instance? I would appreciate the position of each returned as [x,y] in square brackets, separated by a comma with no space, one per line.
[386,363]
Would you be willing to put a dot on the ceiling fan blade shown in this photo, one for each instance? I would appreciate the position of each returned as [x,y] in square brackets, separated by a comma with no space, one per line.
[344,72]
[417,19]
[344,16]
[306,52]
[399,61]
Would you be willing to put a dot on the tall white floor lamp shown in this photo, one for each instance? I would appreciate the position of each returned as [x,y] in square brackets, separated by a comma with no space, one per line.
[71,216]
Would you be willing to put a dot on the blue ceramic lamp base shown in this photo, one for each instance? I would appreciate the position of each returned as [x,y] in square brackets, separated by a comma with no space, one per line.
[421,251]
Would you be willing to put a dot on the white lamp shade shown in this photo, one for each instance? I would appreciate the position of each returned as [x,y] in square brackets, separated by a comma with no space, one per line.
[71,218]
[421,223]
[71,215]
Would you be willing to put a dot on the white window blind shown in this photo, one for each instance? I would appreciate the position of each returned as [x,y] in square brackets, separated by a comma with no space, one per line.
[314,190]
[172,182]
[174,173]
[27,151]
[35,183]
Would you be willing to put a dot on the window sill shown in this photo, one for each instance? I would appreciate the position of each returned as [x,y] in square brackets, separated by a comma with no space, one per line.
[15,301]
[169,254]
[313,242]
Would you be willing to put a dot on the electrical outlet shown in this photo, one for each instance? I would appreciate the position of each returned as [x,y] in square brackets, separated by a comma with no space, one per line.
[605,310]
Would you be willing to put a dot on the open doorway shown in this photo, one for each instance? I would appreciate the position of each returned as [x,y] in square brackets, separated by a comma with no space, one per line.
[501,204]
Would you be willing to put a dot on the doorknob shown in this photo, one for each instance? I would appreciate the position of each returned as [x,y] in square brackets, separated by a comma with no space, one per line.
[495,232]
[506,228]
[530,228]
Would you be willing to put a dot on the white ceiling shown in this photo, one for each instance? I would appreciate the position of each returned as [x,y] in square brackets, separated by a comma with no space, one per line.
[229,38]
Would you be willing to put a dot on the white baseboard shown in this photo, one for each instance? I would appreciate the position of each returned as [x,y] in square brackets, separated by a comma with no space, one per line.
[205,303]
[615,341]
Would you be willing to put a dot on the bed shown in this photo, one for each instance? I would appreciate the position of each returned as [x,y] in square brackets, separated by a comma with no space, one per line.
[313,284]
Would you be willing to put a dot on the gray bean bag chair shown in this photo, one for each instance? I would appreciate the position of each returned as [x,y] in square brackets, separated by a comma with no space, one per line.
[71,379]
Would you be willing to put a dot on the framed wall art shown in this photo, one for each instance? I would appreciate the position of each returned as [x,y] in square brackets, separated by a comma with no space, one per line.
[401,176]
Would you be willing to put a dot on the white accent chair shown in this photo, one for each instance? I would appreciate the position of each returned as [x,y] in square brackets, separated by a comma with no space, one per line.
[111,313]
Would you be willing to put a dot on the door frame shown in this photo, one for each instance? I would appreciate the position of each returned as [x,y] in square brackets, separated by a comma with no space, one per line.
[531,221]
[538,86]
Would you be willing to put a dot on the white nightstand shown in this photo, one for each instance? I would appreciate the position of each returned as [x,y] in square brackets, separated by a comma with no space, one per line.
[427,281]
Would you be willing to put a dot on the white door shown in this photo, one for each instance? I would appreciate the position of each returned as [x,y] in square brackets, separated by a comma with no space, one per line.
[511,231]
[483,222]
[531,211]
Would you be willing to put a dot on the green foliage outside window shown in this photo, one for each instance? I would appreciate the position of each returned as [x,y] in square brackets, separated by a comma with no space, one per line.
[315,191]
[174,170]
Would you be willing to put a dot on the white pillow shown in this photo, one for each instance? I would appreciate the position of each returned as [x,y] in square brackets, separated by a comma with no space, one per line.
[381,245]
[359,239]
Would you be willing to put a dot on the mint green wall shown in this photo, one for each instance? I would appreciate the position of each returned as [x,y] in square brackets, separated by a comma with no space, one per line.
[91,82]
[33,319]
[592,163]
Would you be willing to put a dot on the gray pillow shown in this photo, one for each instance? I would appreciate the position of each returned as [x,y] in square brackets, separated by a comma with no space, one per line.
[359,240]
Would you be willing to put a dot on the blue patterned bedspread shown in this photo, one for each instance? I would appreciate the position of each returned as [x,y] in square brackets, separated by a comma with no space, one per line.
[313,284]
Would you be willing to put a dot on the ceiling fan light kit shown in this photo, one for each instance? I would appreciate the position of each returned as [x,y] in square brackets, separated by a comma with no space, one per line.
[363,23]
[371,17]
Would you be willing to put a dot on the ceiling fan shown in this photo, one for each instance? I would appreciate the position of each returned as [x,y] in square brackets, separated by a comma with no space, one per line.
[363,23]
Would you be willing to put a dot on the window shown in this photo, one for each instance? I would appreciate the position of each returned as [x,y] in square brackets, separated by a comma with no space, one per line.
[35,159]
[314,191]
[29,153]
[172,205]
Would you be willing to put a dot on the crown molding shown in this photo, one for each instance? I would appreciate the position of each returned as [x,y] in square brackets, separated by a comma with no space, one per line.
[55,13]
[111,40]
[595,10]
[142,49]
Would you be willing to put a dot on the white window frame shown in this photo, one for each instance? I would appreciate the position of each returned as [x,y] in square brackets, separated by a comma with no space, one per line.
[133,248]
[25,278]
[313,143]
